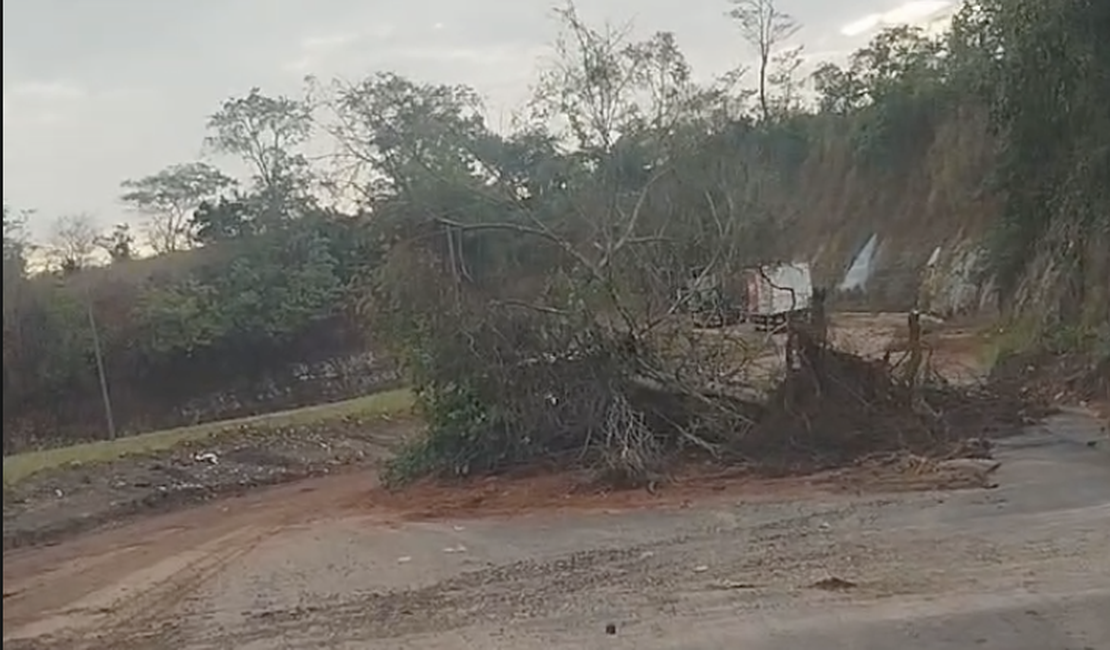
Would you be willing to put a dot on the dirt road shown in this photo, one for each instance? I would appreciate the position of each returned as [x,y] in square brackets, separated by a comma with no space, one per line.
[318,565]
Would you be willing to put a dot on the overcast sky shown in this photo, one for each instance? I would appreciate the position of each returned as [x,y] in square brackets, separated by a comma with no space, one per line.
[97,91]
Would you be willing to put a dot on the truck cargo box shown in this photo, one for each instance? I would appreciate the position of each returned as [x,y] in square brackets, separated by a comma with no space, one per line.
[777,290]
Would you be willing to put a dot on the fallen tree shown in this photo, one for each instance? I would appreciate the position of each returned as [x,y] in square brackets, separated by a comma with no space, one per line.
[531,293]
[586,361]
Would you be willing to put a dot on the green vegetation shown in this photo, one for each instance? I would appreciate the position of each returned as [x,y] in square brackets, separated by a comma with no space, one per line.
[390,404]
[517,273]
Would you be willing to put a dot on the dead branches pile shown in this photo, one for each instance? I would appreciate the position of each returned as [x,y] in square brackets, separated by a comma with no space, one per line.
[516,386]
[554,368]
[834,408]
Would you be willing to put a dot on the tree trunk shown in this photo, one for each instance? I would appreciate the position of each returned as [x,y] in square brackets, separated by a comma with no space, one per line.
[763,85]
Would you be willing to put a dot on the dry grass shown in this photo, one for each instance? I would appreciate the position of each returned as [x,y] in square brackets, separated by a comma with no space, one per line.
[389,404]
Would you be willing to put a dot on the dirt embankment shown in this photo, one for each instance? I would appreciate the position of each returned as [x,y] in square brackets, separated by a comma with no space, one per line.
[60,502]
[1064,379]
[934,198]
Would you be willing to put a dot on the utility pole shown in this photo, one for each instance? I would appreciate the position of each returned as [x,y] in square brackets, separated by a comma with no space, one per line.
[103,376]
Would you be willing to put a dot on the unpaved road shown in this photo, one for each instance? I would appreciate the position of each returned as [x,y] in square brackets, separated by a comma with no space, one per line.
[316,565]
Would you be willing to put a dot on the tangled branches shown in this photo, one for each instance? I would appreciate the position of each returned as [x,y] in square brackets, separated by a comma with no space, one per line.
[834,407]
[552,368]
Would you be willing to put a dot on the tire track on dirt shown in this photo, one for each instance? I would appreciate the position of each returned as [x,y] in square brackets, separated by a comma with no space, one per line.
[135,620]
[119,615]
[111,590]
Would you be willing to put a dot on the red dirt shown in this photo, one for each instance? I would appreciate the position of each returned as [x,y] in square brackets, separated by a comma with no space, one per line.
[568,491]
[576,491]
[38,580]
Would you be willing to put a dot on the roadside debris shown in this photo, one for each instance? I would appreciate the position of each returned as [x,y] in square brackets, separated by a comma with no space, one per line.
[206,457]
[833,583]
[732,584]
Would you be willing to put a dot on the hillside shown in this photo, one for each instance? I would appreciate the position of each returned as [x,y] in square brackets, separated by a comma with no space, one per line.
[938,208]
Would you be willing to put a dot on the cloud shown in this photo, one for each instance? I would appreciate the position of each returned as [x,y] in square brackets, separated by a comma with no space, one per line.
[325,44]
[315,50]
[39,103]
[382,31]
[478,56]
[862,25]
[916,12]
[45,90]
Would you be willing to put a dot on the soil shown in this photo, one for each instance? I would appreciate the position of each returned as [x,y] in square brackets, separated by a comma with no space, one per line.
[54,504]
[1054,380]
[544,492]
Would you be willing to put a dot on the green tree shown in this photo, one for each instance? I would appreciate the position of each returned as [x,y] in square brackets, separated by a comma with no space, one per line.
[839,90]
[399,138]
[224,219]
[167,199]
[591,83]
[15,281]
[15,242]
[267,133]
[1049,66]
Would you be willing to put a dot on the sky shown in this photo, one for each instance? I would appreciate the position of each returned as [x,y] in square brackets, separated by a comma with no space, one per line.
[99,91]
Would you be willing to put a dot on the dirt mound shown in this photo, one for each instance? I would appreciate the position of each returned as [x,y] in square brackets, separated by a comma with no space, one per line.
[1049,379]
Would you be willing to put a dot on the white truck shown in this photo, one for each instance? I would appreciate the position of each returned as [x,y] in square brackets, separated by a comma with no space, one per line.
[765,295]
[775,292]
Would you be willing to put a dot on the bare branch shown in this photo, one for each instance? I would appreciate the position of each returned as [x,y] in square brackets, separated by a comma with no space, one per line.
[764,28]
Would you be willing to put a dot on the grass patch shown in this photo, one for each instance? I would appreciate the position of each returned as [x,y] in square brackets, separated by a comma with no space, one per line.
[19,466]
